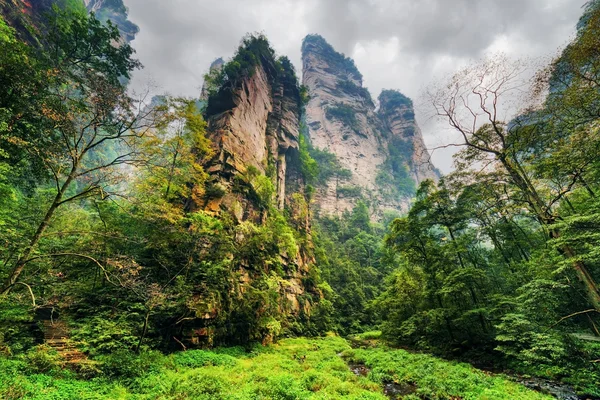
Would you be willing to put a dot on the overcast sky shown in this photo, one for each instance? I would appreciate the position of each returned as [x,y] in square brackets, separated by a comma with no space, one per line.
[397,44]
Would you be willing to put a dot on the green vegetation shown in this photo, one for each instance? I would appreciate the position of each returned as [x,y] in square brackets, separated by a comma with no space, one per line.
[431,378]
[100,210]
[343,113]
[394,178]
[350,255]
[291,369]
[113,233]
[351,88]
[319,166]
[499,262]
[254,50]
[349,191]
[393,100]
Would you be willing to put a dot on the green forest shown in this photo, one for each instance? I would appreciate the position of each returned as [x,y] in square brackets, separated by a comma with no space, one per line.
[487,283]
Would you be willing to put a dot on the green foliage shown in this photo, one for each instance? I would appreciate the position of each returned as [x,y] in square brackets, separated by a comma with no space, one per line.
[349,253]
[41,360]
[308,165]
[326,166]
[349,191]
[504,259]
[292,369]
[254,51]
[487,262]
[436,379]
[203,358]
[395,179]
[103,335]
[353,89]
[343,113]
[304,95]
[392,101]
[126,365]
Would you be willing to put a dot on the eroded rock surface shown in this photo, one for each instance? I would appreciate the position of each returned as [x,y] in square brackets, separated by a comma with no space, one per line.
[383,149]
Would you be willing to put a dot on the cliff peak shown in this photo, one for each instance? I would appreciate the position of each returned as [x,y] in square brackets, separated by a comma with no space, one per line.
[338,62]
[382,151]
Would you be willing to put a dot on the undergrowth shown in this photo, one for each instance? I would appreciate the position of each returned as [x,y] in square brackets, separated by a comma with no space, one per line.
[291,369]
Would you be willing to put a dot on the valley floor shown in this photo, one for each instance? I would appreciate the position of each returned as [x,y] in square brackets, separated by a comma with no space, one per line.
[291,369]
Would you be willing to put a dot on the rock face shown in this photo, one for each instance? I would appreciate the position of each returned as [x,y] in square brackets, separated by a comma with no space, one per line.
[398,116]
[383,149]
[115,12]
[253,124]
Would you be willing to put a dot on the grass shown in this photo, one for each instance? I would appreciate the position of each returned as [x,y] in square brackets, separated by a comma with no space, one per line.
[291,369]
[435,378]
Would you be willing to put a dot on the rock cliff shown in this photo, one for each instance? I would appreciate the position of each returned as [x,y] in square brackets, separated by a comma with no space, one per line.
[115,12]
[253,115]
[397,113]
[382,148]
[253,123]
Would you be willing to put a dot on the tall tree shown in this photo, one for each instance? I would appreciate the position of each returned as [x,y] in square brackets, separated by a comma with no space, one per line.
[473,102]
[94,124]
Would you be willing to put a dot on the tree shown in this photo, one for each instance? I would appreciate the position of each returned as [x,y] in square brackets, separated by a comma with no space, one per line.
[94,124]
[472,103]
[176,150]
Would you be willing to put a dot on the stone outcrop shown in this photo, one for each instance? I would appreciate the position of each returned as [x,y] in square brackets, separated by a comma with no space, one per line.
[253,125]
[115,12]
[383,149]
[398,116]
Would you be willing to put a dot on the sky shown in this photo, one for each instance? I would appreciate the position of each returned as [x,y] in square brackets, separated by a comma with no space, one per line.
[396,44]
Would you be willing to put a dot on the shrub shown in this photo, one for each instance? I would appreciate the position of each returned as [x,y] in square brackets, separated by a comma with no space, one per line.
[124,364]
[200,385]
[349,191]
[203,358]
[100,335]
[42,359]
[349,87]
[343,113]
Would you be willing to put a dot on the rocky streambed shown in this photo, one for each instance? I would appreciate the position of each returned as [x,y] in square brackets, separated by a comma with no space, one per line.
[396,391]
[391,389]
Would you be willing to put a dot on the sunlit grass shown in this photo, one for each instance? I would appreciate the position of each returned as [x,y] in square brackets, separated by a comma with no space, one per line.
[291,369]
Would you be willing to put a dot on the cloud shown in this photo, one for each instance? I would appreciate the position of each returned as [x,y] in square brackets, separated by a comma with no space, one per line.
[400,44]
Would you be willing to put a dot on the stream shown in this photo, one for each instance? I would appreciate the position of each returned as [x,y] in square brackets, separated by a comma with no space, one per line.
[392,390]
[396,391]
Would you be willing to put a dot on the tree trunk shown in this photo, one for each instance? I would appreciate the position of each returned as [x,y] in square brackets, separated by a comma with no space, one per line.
[547,219]
[24,258]
[144,331]
[591,288]
[171,172]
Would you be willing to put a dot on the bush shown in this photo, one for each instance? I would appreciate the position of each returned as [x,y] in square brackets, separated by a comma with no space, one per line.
[100,335]
[42,359]
[349,191]
[203,358]
[200,385]
[124,364]
[343,113]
